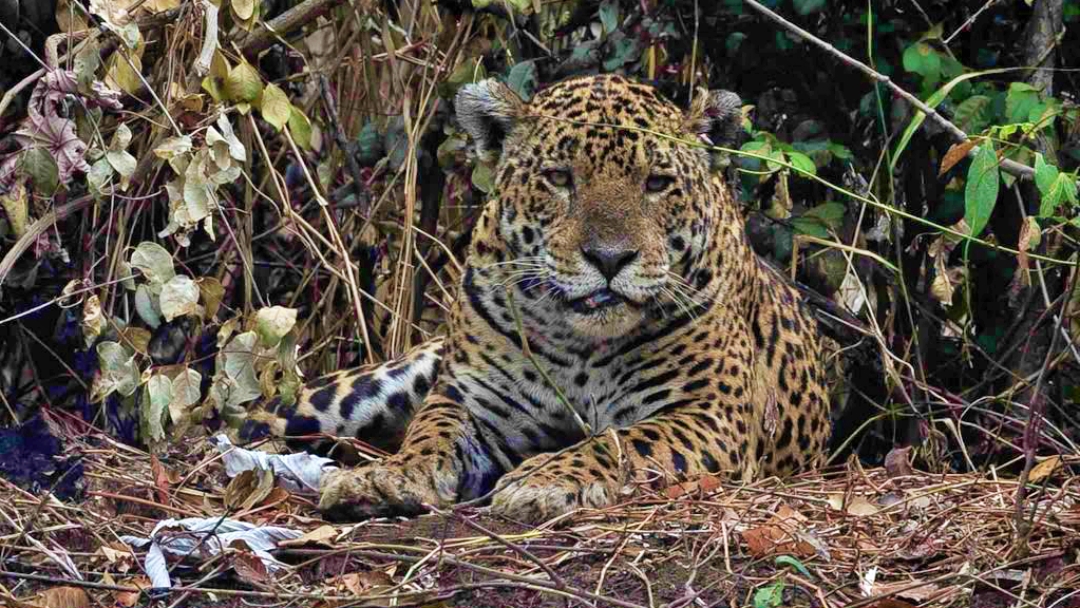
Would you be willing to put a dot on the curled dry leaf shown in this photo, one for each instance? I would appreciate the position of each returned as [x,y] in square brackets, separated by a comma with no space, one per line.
[248,489]
[855,505]
[705,484]
[323,535]
[1044,469]
[61,597]
[764,541]
[898,462]
[956,153]
[127,599]
[247,565]
[361,583]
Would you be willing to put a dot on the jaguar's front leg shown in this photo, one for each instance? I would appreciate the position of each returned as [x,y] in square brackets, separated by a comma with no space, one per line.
[440,457]
[592,474]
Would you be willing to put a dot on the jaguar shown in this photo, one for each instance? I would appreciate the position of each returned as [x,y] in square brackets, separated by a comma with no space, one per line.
[612,325]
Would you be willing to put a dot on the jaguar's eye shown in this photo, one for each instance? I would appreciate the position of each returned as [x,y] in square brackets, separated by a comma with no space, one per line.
[558,178]
[658,183]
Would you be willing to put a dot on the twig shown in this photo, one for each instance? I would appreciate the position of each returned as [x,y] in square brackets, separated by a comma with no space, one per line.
[545,585]
[509,545]
[294,18]
[343,144]
[1031,436]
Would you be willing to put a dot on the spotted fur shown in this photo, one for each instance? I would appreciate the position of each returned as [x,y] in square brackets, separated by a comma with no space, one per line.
[611,308]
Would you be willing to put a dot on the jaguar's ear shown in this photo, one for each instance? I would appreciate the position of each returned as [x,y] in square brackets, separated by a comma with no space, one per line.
[488,110]
[715,115]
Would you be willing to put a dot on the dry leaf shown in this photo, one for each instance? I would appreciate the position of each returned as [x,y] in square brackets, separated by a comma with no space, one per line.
[898,462]
[119,556]
[360,583]
[856,505]
[1044,469]
[323,535]
[247,565]
[62,597]
[905,590]
[861,506]
[131,598]
[956,153]
[889,602]
[161,478]
[248,489]
[772,540]
[704,484]
[786,515]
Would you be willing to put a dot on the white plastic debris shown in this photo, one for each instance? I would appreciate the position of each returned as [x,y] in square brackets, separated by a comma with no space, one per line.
[203,538]
[296,472]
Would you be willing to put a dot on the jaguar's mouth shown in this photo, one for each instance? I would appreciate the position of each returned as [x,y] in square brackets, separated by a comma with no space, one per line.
[599,300]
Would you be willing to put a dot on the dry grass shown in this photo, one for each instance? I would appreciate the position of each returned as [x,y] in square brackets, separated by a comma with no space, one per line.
[852,537]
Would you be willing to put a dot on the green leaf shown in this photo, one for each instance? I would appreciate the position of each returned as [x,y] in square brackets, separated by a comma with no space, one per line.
[300,128]
[1021,99]
[41,167]
[100,174]
[154,261]
[802,162]
[830,214]
[179,297]
[522,6]
[155,405]
[1044,113]
[1045,174]
[769,596]
[145,306]
[273,322]
[275,106]
[243,83]
[173,147]
[244,9]
[971,114]
[733,42]
[840,151]
[933,101]
[1061,190]
[787,560]
[239,357]
[124,164]
[119,371]
[186,390]
[522,79]
[805,7]
[16,204]
[482,178]
[810,226]
[466,72]
[981,190]
[764,148]
[923,60]
[451,152]
[624,50]
[609,15]
[369,148]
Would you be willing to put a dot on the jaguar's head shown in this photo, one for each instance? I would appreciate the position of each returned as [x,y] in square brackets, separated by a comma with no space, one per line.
[602,207]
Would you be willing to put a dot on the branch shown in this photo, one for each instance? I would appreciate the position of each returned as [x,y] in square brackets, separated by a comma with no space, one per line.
[1009,166]
[291,20]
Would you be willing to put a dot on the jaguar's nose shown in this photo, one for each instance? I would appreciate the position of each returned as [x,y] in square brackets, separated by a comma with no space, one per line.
[609,260]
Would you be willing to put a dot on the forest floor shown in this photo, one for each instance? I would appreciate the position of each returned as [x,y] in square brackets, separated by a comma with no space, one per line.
[886,537]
